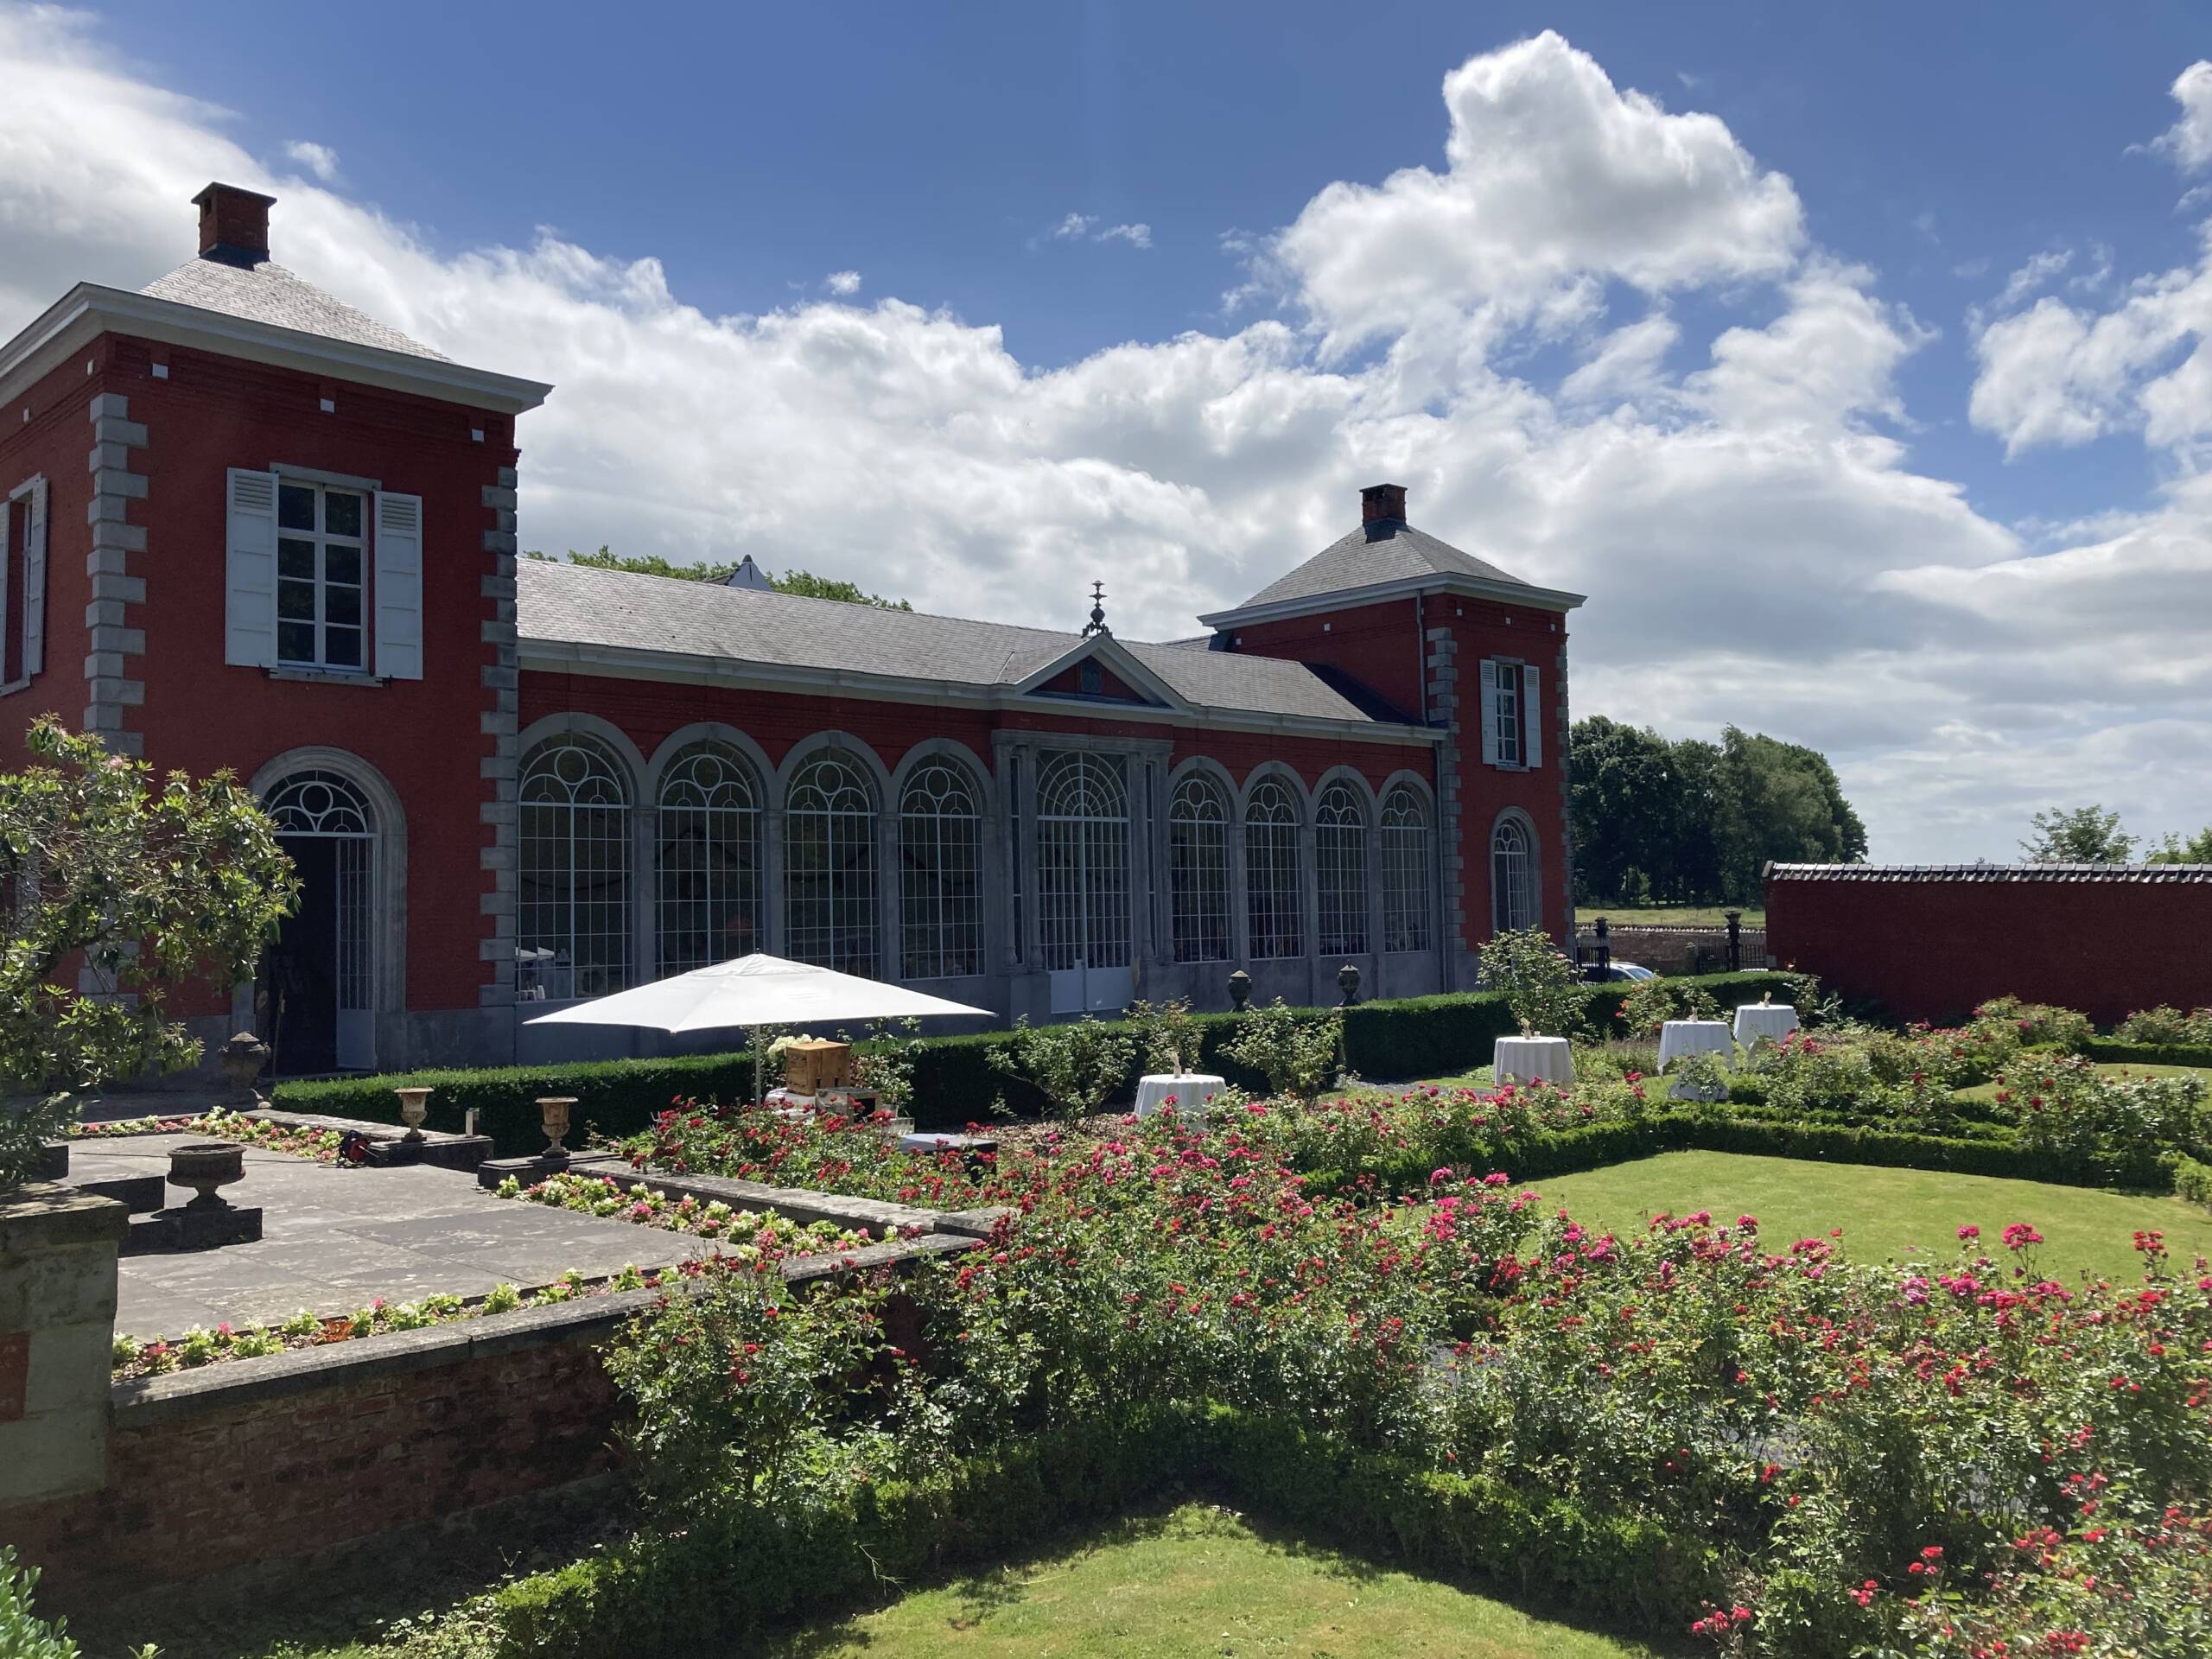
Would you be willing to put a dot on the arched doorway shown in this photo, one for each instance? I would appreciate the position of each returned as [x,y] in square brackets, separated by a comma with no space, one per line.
[317,998]
[1083,881]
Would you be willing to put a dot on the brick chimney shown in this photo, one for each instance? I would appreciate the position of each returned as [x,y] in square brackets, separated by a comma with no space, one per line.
[233,224]
[1382,504]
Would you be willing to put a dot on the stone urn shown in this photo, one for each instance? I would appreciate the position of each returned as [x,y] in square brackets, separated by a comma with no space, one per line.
[242,1058]
[553,1112]
[1240,990]
[205,1165]
[414,1107]
[1348,982]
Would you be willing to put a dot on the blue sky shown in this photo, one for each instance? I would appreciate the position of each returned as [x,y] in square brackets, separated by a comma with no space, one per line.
[1854,359]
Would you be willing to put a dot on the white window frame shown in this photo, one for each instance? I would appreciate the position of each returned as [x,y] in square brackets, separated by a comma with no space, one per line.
[1509,741]
[24,502]
[363,545]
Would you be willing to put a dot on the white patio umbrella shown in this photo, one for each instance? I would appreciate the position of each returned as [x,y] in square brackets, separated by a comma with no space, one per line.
[756,990]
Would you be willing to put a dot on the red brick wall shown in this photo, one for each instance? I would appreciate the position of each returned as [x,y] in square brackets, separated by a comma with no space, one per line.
[1932,949]
[1378,645]
[195,1491]
[54,443]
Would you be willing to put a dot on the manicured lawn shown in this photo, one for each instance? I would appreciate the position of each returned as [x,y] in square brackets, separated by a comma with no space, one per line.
[1887,1213]
[1198,1582]
[1664,915]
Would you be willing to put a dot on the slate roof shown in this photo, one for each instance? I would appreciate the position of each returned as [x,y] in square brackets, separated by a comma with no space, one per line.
[1386,550]
[266,292]
[2094,873]
[558,603]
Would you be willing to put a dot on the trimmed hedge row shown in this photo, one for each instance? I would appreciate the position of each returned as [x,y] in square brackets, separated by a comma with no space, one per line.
[727,1577]
[2111,1050]
[1543,1155]
[955,1082]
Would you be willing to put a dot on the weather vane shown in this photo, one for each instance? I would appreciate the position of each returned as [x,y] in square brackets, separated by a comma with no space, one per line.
[1097,623]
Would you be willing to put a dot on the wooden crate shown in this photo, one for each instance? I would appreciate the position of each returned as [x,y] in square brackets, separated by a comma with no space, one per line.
[811,1066]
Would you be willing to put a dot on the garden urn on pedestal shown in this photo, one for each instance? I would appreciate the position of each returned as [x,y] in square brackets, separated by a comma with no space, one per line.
[1240,990]
[205,1165]
[414,1107]
[553,1112]
[242,1058]
[1348,982]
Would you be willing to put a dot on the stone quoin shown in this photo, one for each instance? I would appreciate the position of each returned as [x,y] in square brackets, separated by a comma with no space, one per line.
[248,526]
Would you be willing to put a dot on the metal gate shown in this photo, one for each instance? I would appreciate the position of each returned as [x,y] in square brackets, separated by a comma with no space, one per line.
[1083,881]
[322,805]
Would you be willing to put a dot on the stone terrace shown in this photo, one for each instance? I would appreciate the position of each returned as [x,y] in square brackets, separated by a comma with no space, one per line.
[335,1238]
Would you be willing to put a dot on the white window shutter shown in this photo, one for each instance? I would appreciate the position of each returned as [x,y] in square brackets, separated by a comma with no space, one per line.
[399,586]
[250,570]
[35,584]
[1490,712]
[1532,718]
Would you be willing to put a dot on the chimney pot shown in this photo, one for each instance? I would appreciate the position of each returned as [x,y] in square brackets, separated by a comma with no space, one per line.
[233,224]
[1382,504]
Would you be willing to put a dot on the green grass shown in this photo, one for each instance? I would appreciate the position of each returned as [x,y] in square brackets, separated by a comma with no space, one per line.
[1665,915]
[1901,1214]
[1197,1581]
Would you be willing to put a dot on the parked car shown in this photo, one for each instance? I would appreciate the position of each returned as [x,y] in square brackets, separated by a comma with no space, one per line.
[1617,970]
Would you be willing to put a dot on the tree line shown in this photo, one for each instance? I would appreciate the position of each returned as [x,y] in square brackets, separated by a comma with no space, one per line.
[1687,822]
[2089,834]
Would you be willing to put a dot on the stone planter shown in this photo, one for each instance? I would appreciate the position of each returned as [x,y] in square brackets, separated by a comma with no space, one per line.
[414,1107]
[204,1167]
[553,1112]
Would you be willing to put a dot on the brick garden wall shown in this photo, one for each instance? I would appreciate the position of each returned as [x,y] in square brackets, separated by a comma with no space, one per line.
[1932,949]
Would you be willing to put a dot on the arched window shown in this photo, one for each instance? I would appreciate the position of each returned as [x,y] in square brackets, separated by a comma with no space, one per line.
[1340,869]
[1083,862]
[829,883]
[1512,876]
[321,971]
[708,870]
[940,872]
[1405,872]
[1197,870]
[572,888]
[1272,887]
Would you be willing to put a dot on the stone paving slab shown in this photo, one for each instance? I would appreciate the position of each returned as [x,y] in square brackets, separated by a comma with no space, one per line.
[334,1238]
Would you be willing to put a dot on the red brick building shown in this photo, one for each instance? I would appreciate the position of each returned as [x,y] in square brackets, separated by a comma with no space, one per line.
[290,552]
[1931,941]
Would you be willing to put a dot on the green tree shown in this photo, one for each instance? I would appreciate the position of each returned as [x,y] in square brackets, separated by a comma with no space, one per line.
[802,583]
[2197,850]
[2083,834]
[145,889]
[1780,803]
[1622,795]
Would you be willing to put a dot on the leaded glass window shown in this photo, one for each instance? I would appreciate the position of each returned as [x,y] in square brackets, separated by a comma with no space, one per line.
[940,873]
[708,877]
[573,886]
[1197,870]
[1272,886]
[1340,869]
[829,866]
[1405,849]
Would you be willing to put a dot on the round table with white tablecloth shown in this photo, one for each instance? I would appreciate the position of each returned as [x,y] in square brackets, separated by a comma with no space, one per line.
[1532,1059]
[1190,1090]
[1679,1039]
[1765,1022]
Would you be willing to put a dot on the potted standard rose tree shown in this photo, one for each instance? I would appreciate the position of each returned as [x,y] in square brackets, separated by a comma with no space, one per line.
[1537,980]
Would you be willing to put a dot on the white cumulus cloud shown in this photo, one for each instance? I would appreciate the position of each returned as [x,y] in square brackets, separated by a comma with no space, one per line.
[321,160]
[843,284]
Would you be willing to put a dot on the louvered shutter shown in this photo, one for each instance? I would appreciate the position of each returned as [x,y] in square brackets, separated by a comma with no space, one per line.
[250,570]
[35,584]
[1532,718]
[399,586]
[1489,713]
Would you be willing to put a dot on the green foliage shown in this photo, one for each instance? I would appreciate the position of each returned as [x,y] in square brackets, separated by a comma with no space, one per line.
[148,889]
[24,1132]
[2080,835]
[2166,1027]
[802,583]
[1298,1051]
[1169,1035]
[2065,1106]
[1536,979]
[2040,1025]
[2197,850]
[1693,822]
[1076,1067]
[23,1634]
[2113,1050]
[1650,1003]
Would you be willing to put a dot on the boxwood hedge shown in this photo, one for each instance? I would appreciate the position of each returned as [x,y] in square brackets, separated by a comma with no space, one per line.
[2112,1049]
[955,1082]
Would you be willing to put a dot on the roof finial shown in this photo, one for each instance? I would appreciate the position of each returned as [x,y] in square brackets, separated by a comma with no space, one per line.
[1097,623]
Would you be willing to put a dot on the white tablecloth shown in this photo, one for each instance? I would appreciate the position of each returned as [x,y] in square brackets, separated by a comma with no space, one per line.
[1679,1039]
[1532,1059]
[1765,1021]
[1191,1090]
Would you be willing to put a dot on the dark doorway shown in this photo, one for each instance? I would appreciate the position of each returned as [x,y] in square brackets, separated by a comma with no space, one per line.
[298,994]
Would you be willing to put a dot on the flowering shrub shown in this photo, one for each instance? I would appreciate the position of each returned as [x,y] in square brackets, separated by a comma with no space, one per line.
[768,1235]
[221,1123]
[820,1150]
[2065,1105]
[1299,1052]
[2166,1027]
[2038,1024]
[1538,980]
[1650,1003]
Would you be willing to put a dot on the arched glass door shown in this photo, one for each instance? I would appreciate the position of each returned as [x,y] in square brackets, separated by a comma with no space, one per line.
[1083,881]
[318,991]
